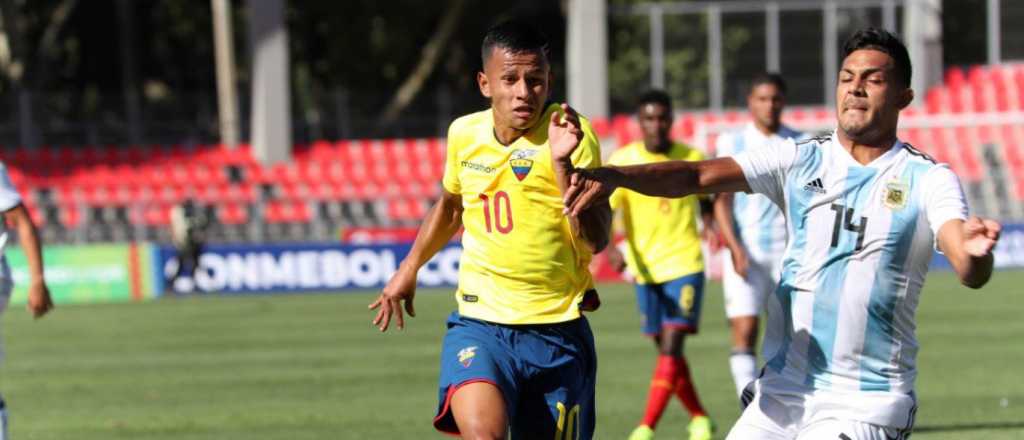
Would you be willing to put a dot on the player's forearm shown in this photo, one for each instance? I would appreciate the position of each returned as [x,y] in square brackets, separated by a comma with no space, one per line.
[594,226]
[680,178]
[438,228]
[973,271]
[723,216]
[30,243]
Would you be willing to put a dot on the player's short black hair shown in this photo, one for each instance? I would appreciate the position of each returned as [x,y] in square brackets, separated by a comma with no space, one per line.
[516,36]
[882,41]
[654,96]
[769,78]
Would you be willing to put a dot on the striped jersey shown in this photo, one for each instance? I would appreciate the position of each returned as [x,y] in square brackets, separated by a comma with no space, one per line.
[758,221]
[860,240]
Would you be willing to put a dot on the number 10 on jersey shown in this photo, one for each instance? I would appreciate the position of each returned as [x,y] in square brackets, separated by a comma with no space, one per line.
[497,215]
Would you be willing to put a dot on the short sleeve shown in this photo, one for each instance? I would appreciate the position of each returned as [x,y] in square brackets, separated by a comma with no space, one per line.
[588,154]
[766,168]
[723,145]
[450,181]
[943,197]
[9,196]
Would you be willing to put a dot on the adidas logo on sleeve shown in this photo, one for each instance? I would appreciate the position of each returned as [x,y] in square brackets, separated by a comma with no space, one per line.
[815,186]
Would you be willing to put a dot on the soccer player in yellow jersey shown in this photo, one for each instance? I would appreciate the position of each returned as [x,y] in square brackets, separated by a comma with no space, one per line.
[663,254]
[518,356]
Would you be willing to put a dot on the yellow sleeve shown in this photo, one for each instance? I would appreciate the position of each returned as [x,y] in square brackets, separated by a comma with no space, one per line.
[618,196]
[450,181]
[588,153]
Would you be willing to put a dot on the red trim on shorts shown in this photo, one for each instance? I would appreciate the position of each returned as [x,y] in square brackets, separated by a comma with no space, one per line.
[447,405]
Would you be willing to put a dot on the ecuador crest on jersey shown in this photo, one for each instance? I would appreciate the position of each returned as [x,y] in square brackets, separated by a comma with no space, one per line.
[521,163]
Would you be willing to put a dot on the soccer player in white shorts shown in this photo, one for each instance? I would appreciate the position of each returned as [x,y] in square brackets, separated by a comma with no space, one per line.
[864,212]
[15,213]
[752,226]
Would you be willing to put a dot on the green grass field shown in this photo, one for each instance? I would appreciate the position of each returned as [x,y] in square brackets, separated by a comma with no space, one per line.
[312,367]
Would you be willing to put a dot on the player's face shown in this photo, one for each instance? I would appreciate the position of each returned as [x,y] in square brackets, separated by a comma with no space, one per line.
[765,103]
[655,122]
[869,97]
[517,84]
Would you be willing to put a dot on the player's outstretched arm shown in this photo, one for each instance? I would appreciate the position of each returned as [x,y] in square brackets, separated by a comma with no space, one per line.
[968,246]
[664,179]
[441,223]
[726,226]
[39,302]
[564,136]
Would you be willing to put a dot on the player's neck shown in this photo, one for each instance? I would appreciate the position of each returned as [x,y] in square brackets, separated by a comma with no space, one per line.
[507,135]
[866,150]
[661,146]
[767,130]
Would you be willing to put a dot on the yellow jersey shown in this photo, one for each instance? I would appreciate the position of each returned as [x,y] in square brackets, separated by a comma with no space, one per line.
[521,261]
[661,234]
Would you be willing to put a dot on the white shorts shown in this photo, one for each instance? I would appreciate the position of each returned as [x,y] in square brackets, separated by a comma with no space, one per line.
[782,416]
[745,296]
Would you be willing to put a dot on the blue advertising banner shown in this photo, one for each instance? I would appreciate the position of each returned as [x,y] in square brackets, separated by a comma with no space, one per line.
[1009,253]
[277,268]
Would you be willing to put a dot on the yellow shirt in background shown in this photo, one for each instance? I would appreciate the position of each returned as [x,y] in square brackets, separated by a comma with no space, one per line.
[661,234]
[521,262]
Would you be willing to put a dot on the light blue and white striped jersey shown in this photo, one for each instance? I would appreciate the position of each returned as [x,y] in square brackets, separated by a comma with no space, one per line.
[9,198]
[860,239]
[758,221]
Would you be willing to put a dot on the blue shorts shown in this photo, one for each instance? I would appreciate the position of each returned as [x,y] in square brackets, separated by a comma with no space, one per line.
[675,303]
[546,373]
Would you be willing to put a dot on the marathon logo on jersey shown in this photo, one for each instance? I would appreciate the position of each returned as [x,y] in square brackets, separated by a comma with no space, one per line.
[815,186]
[466,356]
[895,195]
[477,167]
[521,163]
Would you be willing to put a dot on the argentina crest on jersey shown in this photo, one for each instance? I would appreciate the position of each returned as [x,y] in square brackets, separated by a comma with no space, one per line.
[521,163]
[894,196]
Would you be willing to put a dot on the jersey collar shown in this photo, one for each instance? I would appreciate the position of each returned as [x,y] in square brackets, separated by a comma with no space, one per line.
[880,162]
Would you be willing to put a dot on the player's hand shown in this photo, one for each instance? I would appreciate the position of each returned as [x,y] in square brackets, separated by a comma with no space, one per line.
[740,262]
[400,288]
[564,133]
[587,188]
[39,302]
[980,236]
[615,258]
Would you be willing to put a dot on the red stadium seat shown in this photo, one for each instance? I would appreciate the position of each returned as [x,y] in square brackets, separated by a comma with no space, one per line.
[232,214]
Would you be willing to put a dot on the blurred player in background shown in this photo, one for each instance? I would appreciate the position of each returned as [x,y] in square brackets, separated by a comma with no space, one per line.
[752,227]
[663,253]
[188,233]
[39,303]
[864,212]
[518,355]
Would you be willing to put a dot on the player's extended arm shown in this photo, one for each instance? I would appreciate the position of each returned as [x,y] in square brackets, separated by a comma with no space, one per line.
[593,223]
[726,226]
[664,179]
[968,246]
[441,223]
[39,302]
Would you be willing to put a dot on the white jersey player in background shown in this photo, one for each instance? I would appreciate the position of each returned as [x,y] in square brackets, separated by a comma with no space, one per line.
[15,214]
[752,226]
[864,211]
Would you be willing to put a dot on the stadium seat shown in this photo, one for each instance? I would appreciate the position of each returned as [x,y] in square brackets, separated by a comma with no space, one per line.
[232,213]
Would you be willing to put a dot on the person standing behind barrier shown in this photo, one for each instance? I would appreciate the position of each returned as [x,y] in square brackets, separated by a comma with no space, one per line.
[752,227]
[188,234]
